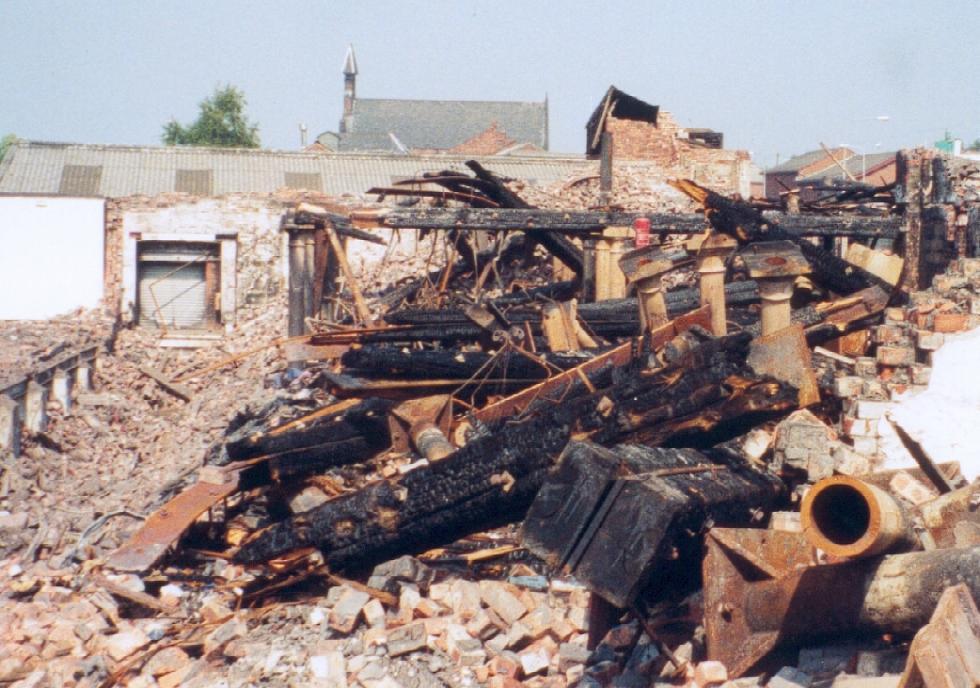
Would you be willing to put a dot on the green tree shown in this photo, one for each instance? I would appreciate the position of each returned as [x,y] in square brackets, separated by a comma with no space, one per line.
[5,143]
[222,122]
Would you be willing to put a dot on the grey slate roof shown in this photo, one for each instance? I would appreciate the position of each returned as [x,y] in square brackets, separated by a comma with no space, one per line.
[798,162]
[855,165]
[116,171]
[440,124]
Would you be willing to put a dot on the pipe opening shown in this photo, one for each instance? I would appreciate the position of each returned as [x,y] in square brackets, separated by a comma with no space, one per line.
[841,513]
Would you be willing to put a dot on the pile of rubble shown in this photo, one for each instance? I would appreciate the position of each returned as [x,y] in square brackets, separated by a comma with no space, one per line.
[479,477]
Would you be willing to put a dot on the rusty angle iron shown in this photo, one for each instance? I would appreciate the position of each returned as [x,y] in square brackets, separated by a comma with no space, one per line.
[164,527]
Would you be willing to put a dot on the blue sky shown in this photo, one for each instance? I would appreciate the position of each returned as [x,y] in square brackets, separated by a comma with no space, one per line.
[776,77]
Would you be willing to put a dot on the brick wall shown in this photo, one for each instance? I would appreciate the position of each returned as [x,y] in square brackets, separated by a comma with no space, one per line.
[487,142]
[666,144]
[253,217]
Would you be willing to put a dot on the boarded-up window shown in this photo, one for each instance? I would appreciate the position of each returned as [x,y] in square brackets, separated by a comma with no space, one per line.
[308,181]
[80,180]
[198,182]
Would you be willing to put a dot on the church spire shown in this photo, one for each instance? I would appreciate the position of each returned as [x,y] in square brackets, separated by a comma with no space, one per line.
[350,89]
[350,62]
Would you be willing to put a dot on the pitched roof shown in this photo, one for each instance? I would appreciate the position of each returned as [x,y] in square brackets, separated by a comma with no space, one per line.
[116,171]
[798,162]
[439,124]
[856,165]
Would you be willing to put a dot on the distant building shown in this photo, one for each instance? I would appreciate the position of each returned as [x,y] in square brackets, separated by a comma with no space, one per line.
[810,171]
[465,127]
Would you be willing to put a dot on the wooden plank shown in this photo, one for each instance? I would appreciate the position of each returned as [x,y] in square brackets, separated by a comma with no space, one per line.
[174,388]
[360,305]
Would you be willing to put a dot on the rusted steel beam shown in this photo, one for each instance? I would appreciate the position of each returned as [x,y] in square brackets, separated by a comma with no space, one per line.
[761,591]
[165,526]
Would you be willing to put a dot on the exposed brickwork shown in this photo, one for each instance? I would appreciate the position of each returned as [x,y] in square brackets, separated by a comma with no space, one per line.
[259,241]
[666,143]
[489,141]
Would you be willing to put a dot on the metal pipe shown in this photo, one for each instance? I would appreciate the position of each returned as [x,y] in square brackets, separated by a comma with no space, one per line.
[430,441]
[895,594]
[847,517]
[762,590]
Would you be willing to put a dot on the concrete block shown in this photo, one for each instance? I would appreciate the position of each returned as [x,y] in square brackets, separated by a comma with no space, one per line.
[35,407]
[847,386]
[10,426]
[787,521]
[872,409]
[406,639]
[920,374]
[501,600]
[895,355]
[61,390]
[865,366]
[866,445]
[789,677]
[929,341]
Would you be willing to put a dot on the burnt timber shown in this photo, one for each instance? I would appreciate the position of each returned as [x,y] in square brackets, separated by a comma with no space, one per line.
[592,221]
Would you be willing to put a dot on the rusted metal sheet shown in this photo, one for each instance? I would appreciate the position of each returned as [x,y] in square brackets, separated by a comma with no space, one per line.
[759,592]
[785,355]
[164,527]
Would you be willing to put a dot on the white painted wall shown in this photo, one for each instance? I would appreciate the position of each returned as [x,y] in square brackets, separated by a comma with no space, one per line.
[51,255]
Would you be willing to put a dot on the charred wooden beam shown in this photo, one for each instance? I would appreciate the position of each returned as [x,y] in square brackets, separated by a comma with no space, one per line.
[593,221]
[396,362]
[494,477]
[338,434]
[615,517]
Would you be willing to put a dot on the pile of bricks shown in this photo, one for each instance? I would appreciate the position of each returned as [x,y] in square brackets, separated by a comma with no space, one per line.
[902,352]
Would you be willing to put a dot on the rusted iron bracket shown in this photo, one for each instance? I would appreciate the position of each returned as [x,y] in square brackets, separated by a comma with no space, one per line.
[761,591]
[423,424]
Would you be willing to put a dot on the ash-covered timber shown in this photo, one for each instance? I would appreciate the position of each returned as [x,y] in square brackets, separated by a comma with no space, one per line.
[493,478]
[619,519]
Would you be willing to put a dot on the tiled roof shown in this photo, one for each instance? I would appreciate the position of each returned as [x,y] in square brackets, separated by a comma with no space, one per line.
[115,171]
[856,165]
[798,162]
[439,124]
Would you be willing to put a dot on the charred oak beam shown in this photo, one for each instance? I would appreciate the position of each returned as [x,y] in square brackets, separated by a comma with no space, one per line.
[494,477]
[591,221]
[396,362]
[617,518]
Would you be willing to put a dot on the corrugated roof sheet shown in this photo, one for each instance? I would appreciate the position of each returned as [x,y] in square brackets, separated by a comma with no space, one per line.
[34,167]
[440,124]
